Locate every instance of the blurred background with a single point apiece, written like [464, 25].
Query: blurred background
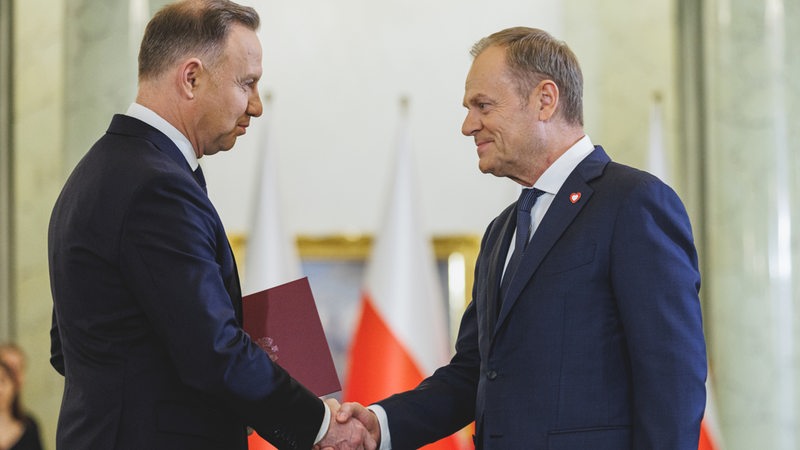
[704, 93]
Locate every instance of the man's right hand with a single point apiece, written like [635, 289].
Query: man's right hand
[363, 415]
[346, 434]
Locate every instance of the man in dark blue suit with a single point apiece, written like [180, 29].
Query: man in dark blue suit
[147, 304]
[584, 331]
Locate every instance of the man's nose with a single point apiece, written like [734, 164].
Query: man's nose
[471, 124]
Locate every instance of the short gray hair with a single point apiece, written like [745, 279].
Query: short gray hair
[534, 55]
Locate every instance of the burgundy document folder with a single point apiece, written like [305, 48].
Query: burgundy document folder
[284, 322]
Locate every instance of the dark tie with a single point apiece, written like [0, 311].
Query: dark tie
[526, 201]
[201, 180]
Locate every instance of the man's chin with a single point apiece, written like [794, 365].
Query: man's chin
[222, 148]
[487, 168]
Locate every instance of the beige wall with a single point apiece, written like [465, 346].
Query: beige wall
[753, 214]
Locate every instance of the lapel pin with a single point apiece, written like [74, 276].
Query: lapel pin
[574, 197]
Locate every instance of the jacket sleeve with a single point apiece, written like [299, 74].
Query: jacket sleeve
[445, 402]
[171, 251]
[442, 403]
[56, 356]
[655, 278]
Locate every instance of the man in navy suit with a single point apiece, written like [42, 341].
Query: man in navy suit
[147, 305]
[584, 331]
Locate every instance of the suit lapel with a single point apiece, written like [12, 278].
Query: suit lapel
[559, 216]
[129, 126]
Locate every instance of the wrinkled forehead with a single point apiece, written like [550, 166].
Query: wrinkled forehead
[489, 63]
[488, 73]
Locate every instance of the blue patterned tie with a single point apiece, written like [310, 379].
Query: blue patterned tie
[201, 180]
[525, 203]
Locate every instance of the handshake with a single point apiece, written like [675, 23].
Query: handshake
[352, 426]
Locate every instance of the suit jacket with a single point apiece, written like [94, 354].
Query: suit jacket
[598, 343]
[147, 312]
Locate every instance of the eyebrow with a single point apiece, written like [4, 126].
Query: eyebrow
[477, 98]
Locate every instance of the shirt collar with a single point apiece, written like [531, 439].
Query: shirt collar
[555, 175]
[150, 117]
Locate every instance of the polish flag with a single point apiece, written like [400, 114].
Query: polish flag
[656, 154]
[271, 257]
[710, 437]
[401, 336]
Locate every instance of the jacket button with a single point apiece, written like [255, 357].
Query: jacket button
[491, 374]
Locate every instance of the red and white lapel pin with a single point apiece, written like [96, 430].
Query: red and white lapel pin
[574, 197]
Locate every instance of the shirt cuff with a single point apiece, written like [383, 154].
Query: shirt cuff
[383, 421]
[323, 428]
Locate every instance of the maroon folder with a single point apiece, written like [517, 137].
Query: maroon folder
[284, 322]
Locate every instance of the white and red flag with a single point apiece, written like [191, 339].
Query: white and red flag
[271, 257]
[710, 437]
[401, 336]
[657, 162]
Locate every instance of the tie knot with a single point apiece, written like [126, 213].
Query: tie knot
[527, 198]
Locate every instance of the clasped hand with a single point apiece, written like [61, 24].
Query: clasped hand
[352, 427]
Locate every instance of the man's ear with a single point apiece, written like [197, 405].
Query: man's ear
[546, 93]
[188, 77]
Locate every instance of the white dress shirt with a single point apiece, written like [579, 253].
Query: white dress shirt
[150, 117]
[551, 181]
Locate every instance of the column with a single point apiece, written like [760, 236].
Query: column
[73, 67]
[101, 46]
[752, 167]
[6, 289]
